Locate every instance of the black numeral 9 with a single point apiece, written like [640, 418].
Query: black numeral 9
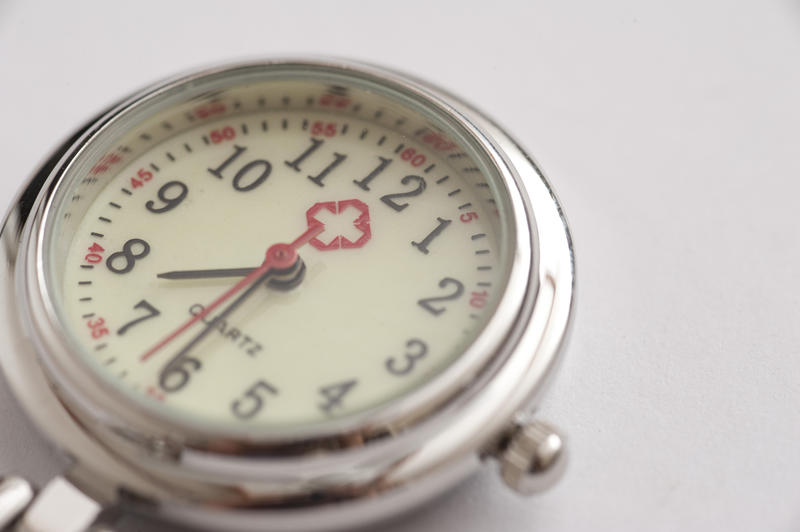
[171, 194]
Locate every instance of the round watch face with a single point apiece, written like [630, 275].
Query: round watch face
[276, 246]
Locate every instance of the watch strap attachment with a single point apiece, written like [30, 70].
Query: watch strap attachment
[16, 494]
[58, 507]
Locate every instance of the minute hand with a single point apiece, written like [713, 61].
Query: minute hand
[206, 274]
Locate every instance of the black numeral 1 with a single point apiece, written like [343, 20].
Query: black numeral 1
[423, 246]
[364, 183]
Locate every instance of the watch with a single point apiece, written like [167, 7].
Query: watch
[282, 295]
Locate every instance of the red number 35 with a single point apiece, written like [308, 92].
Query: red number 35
[97, 328]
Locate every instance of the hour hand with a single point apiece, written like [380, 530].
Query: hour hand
[205, 274]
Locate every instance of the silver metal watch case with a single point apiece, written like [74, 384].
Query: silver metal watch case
[346, 475]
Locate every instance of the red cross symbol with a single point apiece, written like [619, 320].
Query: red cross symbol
[337, 207]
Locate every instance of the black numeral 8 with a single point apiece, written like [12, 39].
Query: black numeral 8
[128, 255]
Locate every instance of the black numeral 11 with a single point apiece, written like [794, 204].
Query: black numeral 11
[318, 179]
[423, 246]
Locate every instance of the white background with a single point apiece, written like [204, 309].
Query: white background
[670, 130]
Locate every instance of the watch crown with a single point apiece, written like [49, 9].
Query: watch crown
[534, 459]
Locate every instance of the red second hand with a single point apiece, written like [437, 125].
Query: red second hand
[277, 254]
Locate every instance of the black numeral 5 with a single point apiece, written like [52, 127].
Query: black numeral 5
[253, 400]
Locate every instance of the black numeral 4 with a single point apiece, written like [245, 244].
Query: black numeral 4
[334, 393]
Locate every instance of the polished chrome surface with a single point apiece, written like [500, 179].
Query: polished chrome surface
[382, 465]
[534, 459]
[16, 494]
[59, 507]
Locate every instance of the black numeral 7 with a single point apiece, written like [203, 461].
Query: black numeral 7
[152, 312]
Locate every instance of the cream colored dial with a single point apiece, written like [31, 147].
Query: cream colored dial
[399, 262]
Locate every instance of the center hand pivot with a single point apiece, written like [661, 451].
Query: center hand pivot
[282, 262]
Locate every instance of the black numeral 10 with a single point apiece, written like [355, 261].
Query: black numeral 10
[249, 176]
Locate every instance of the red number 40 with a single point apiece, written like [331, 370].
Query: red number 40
[94, 256]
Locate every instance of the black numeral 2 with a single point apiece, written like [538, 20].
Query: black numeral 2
[457, 290]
